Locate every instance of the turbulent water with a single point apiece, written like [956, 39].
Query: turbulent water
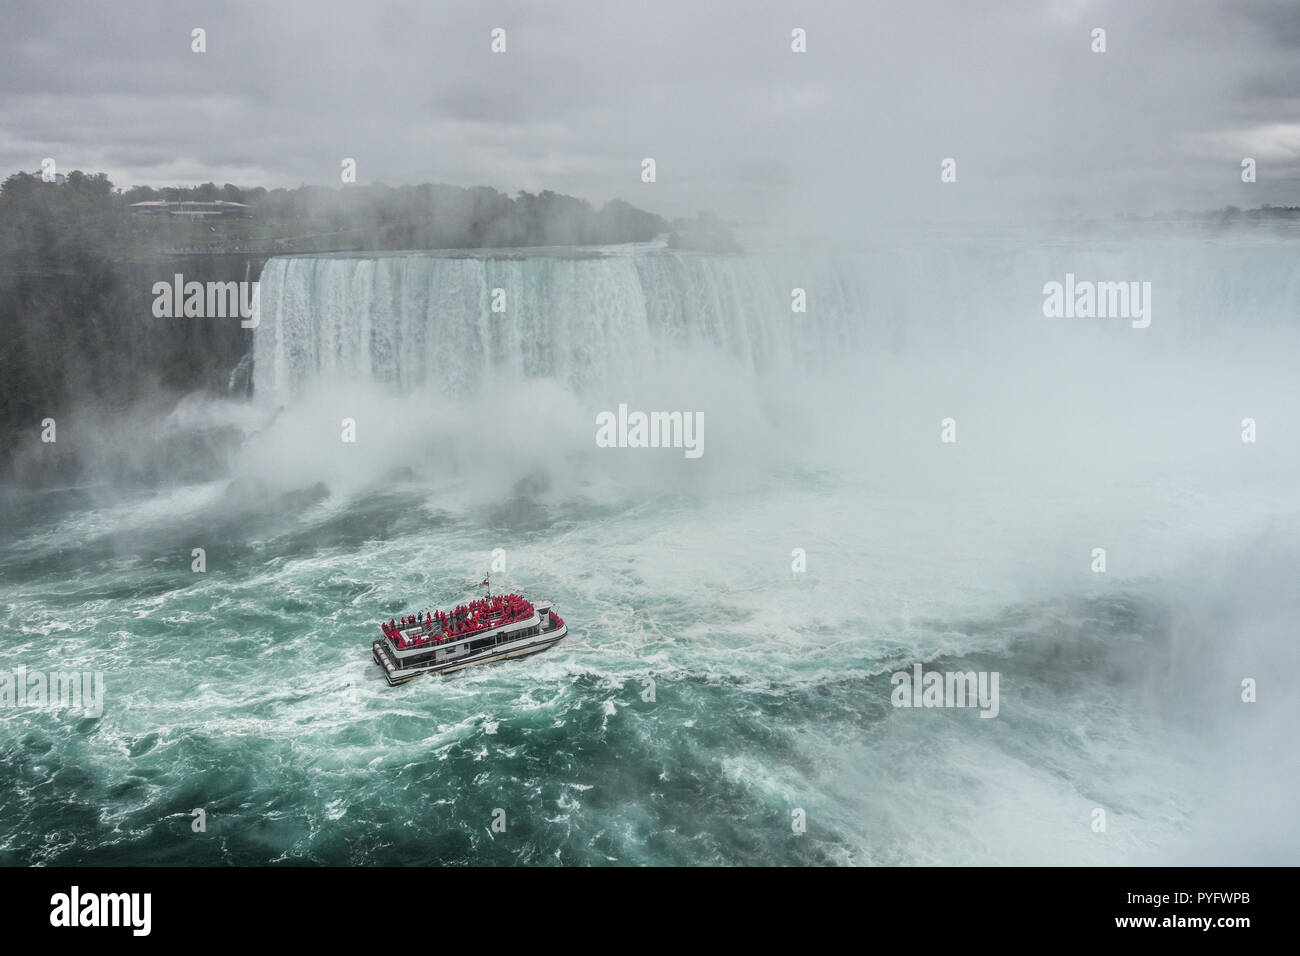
[709, 696]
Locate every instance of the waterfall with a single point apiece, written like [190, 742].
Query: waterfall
[426, 321]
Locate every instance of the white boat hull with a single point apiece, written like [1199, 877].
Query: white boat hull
[396, 674]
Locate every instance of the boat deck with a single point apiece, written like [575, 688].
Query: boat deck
[396, 672]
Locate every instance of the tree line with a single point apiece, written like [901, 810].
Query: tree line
[40, 220]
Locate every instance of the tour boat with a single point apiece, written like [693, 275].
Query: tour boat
[482, 631]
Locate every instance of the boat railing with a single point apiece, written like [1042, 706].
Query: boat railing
[418, 636]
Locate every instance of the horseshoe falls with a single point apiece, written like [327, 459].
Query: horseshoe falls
[907, 467]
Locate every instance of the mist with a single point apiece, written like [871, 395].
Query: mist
[849, 133]
[894, 274]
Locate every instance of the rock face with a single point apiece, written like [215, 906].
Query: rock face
[86, 345]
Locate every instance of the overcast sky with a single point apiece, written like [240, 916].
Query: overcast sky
[856, 127]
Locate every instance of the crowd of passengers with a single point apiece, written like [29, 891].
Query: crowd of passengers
[439, 627]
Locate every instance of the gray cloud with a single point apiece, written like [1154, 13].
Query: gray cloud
[854, 128]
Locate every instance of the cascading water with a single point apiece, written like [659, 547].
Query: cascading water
[424, 320]
[427, 320]
[826, 539]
